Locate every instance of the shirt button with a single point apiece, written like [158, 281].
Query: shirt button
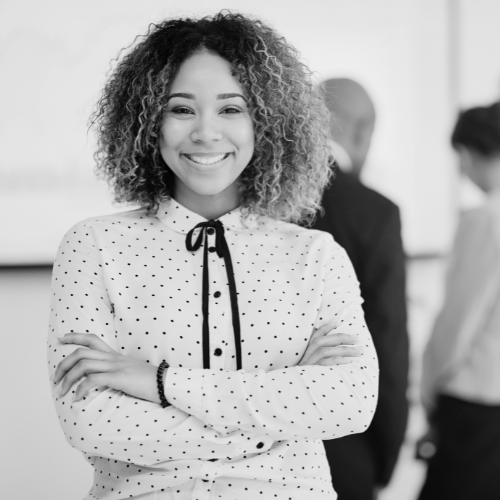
[218, 351]
[210, 230]
[260, 445]
[217, 295]
[211, 249]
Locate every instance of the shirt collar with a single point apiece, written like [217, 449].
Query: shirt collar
[181, 220]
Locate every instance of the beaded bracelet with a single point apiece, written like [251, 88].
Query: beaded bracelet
[159, 381]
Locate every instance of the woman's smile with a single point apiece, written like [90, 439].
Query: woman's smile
[206, 159]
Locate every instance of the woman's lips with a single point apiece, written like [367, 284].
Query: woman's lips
[206, 159]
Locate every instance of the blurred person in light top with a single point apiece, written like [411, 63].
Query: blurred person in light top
[214, 128]
[461, 365]
[368, 226]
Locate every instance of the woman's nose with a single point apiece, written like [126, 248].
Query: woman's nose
[206, 129]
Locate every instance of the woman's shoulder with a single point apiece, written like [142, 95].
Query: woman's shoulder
[133, 216]
[309, 236]
[98, 224]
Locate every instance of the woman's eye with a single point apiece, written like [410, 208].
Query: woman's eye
[231, 110]
[181, 111]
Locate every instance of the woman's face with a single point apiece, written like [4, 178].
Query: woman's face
[207, 136]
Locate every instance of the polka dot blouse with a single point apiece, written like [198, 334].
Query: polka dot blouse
[230, 434]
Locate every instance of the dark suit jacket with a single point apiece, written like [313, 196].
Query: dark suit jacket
[368, 226]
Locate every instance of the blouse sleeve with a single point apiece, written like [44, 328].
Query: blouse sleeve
[107, 422]
[312, 402]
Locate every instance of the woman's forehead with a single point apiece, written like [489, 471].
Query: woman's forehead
[206, 71]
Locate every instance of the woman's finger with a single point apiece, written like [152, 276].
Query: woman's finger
[83, 368]
[316, 335]
[77, 355]
[323, 338]
[88, 383]
[321, 331]
[335, 361]
[333, 352]
[89, 340]
[319, 334]
[337, 339]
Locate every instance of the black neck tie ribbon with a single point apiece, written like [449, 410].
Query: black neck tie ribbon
[222, 250]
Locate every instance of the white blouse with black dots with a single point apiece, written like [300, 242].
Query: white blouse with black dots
[246, 434]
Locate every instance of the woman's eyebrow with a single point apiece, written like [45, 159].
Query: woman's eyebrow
[229, 96]
[180, 94]
[219, 96]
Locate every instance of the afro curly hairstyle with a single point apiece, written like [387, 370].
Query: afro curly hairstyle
[291, 163]
[479, 129]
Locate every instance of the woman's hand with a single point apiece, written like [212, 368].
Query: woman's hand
[334, 349]
[103, 367]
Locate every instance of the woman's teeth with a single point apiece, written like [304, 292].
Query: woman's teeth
[207, 161]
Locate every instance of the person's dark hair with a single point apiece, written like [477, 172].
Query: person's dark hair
[290, 165]
[479, 129]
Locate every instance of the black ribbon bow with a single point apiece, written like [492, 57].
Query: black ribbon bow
[222, 251]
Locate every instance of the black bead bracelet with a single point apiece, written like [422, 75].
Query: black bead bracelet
[159, 381]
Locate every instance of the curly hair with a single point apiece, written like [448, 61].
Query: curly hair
[479, 129]
[290, 165]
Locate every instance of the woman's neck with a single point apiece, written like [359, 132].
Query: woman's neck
[208, 206]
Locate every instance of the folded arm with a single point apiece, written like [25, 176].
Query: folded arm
[109, 422]
[314, 402]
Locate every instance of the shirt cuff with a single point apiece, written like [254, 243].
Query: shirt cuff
[184, 389]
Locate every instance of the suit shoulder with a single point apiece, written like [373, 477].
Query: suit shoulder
[348, 193]
[374, 198]
[385, 203]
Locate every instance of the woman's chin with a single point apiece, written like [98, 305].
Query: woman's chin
[213, 190]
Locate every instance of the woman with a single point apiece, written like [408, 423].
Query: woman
[461, 376]
[213, 127]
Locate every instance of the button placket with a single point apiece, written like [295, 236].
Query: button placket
[218, 307]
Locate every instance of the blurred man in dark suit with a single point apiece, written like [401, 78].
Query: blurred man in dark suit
[368, 226]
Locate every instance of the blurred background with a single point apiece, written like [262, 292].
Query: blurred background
[420, 60]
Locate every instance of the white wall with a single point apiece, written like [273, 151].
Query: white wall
[479, 52]
[478, 68]
[54, 55]
[36, 462]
